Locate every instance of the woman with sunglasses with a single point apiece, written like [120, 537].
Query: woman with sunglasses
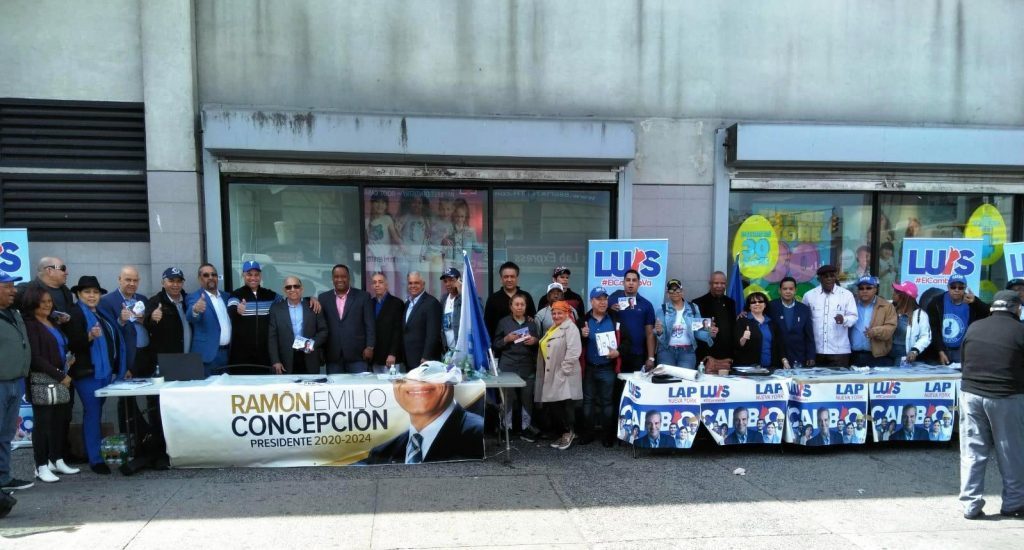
[913, 330]
[759, 341]
[674, 329]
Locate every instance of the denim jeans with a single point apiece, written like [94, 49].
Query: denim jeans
[678, 357]
[11, 392]
[599, 397]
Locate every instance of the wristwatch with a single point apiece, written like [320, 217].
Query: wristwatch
[650, 359]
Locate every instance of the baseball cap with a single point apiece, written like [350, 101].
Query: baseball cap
[251, 265]
[559, 270]
[672, 283]
[452, 273]
[597, 292]
[8, 278]
[173, 273]
[906, 287]
[956, 278]
[555, 286]
[1004, 300]
[1014, 282]
[827, 268]
[867, 280]
[435, 372]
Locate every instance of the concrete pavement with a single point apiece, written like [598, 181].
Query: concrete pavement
[586, 497]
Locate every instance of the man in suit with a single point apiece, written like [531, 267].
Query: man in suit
[387, 310]
[794, 321]
[351, 326]
[166, 320]
[290, 319]
[741, 434]
[826, 435]
[208, 314]
[421, 324]
[128, 307]
[653, 438]
[439, 428]
[909, 430]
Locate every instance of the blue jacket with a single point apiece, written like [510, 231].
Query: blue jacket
[799, 340]
[111, 305]
[691, 313]
[205, 327]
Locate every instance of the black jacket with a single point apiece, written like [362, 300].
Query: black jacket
[78, 343]
[249, 331]
[723, 311]
[993, 356]
[499, 306]
[389, 329]
[750, 354]
[167, 336]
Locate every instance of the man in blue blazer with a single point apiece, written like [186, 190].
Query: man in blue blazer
[121, 305]
[207, 311]
[653, 438]
[421, 324]
[826, 435]
[741, 434]
[909, 430]
[794, 322]
[351, 335]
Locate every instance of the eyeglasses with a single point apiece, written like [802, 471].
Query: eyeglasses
[293, 287]
[60, 267]
[208, 274]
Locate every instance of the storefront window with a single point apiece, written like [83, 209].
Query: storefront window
[903, 215]
[300, 230]
[775, 235]
[425, 230]
[539, 230]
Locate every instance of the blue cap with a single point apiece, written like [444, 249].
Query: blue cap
[1014, 282]
[451, 273]
[251, 265]
[8, 278]
[868, 280]
[597, 292]
[173, 273]
[956, 278]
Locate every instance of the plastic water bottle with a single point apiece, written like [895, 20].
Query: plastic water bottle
[700, 368]
[393, 371]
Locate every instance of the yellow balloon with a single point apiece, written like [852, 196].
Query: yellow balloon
[757, 246]
[987, 291]
[987, 223]
[752, 289]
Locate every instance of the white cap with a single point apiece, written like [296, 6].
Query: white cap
[435, 372]
[555, 286]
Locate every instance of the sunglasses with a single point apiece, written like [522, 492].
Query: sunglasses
[208, 274]
[752, 302]
[60, 267]
[865, 287]
[293, 287]
[957, 287]
[676, 289]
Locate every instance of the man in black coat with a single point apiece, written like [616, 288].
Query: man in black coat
[388, 310]
[351, 327]
[950, 314]
[421, 324]
[169, 331]
[281, 335]
[439, 428]
[52, 276]
[722, 310]
[249, 307]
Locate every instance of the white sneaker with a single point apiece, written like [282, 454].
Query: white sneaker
[44, 474]
[62, 468]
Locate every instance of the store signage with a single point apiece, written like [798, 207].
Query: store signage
[1013, 257]
[14, 258]
[757, 245]
[928, 263]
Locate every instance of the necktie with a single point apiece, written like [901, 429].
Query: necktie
[416, 456]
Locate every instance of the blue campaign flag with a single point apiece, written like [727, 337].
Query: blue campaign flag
[735, 288]
[473, 342]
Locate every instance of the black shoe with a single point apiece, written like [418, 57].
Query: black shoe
[977, 514]
[7, 502]
[100, 468]
[16, 485]
[1019, 513]
[585, 439]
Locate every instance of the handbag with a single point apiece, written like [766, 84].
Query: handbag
[714, 366]
[47, 391]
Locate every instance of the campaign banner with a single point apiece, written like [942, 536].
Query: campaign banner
[14, 258]
[917, 410]
[659, 415]
[740, 411]
[255, 423]
[827, 413]
[1013, 258]
[608, 260]
[928, 263]
[23, 429]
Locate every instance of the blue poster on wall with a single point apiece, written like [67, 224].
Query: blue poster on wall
[608, 261]
[14, 258]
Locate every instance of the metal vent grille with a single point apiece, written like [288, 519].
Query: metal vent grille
[72, 134]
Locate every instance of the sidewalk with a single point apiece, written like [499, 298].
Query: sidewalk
[586, 497]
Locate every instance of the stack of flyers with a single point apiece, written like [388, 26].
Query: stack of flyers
[605, 342]
[523, 334]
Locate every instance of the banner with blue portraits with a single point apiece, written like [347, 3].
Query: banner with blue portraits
[827, 413]
[655, 416]
[913, 410]
[740, 411]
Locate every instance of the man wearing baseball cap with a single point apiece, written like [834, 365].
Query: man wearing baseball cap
[871, 336]
[1017, 285]
[833, 313]
[169, 331]
[451, 308]
[602, 364]
[992, 407]
[950, 315]
[249, 307]
[561, 276]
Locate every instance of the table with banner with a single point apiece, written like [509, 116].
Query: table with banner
[308, 420]
[811, 407]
